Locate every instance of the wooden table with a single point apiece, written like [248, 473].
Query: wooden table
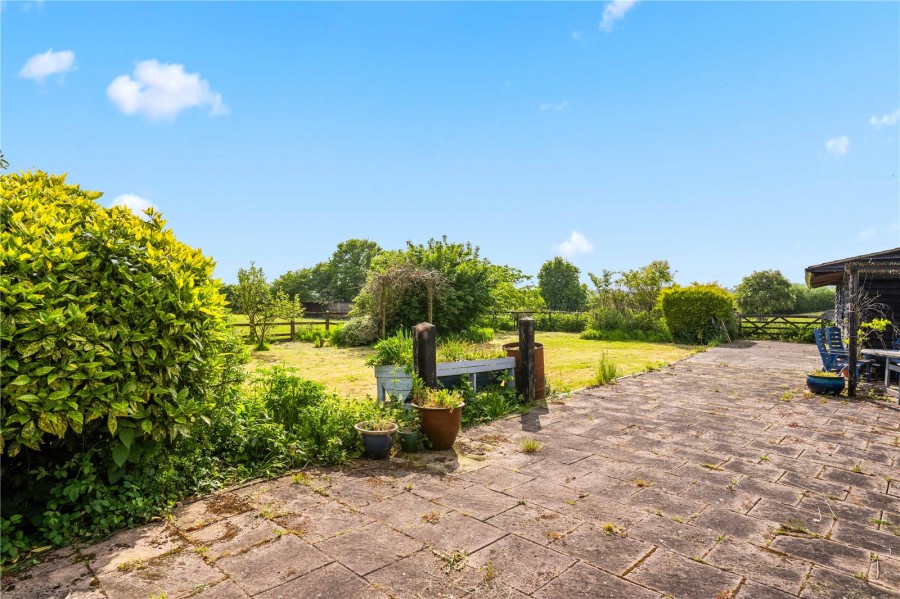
[888, 355]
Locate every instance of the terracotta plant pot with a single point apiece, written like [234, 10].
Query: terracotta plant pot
[440, 425]
[376, 444]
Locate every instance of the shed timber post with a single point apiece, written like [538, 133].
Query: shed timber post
[853, 325]
[425, 353]
[525, 383]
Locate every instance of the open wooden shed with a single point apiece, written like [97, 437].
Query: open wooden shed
[868, 280]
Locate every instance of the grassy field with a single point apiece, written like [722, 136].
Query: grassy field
[569, 362]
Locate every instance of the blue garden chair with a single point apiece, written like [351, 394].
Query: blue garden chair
[834, 360]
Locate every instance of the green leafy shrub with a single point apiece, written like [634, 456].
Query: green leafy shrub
[461, 293]
[325, 429]
[311, 334]
[356, 331]
[285, 395]
[620, 335]
[808, 300]
[692, 313]
[396, 349]
[560, 286]
[477, 334]
[631, 325]
[488, 403]
[110, 325]
[560, 322]
[765, 292]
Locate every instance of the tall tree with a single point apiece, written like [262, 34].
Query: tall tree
[560, 285]
[347, 268]
[254, 297]
[765, 292]
[339, 279]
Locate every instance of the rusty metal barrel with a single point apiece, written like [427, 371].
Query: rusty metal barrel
[512, 351]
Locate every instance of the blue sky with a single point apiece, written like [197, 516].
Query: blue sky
[725, 137]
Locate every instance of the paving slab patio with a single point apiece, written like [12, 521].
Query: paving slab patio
[717, 476]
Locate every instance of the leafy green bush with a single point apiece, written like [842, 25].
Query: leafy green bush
[693, 313]
[476, 334]
[560, 322]
[312, 334]
[359, 330]
[490, 404]
[462, 292]
[765, 292]
[624, 325]
[560, 287]
[808, 300]
[110, 328]
[58, 497]
[396, 349]
[620, 335]
[325, 429]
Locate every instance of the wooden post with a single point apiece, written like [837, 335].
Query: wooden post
[425, 353]
[853, 324]
[327, 319]
[739, 317]
[292, 329]
[525, 377]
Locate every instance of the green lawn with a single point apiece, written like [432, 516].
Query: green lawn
[569, 362]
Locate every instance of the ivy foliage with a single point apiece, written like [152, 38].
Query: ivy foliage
[693, 314]
[111, 327]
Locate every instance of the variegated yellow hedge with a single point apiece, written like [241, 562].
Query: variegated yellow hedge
[110, 325]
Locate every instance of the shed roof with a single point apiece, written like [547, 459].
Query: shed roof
[832, 273]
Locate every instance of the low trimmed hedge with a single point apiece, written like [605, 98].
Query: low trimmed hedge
[689, 312]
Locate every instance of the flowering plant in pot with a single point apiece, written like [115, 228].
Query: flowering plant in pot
[440, 411]
[378, 437]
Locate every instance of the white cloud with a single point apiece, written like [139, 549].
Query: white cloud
[135, 203]
[41, 66]
[837, 146]
[614, 11]
[552, 106]
[161, 91]
[577, 35]
[577, 243]
[886, 120]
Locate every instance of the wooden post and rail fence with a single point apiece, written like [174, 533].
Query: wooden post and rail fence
[309, 319]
